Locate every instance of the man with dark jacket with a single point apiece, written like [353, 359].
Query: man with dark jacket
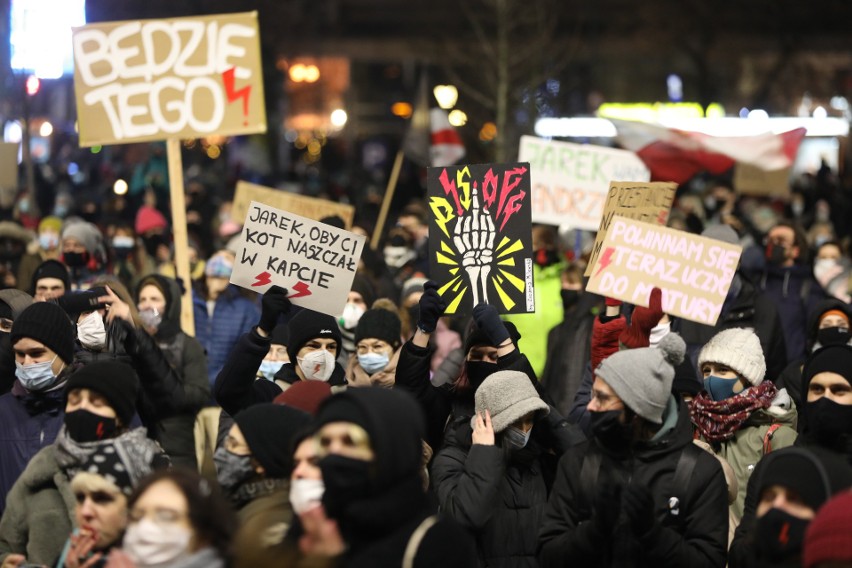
[31, 414]
[641, 494]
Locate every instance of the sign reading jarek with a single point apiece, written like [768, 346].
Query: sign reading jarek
[179, 78]
[314, 261]
[480, 236]
[693, 272]
[570, 182]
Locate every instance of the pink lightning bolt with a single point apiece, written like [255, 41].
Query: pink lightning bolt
[263, 279]
[606, 259]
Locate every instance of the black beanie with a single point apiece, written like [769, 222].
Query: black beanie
[307, 325]
[361, 285]
[51, 269]
[381, 324]
[813, 473]
[270, 431]
[115, 381]
[477, 337]
[48, 323]
[828, 359]
[280, 334]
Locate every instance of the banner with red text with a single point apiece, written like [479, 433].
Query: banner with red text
[176, 78]
[693, 272]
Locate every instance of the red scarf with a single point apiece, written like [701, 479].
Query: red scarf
[718, 421]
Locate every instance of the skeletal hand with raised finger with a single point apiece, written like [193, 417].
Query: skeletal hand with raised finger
[474, 239]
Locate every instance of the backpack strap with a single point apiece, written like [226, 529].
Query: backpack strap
[682, 476]
[415, 540]
[589, 475]
[767, 438]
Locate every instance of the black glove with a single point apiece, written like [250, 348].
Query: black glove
[432, 307]
[488, 320]
[638, 505]
[607, 505]
[274, 303]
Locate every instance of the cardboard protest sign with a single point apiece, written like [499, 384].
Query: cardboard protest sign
[480, 236]
[751, 180]
[693, 272]
[177, 78]
[570, 182]
[314, 261]
[309, 207]
[650, 202]
[9, 165]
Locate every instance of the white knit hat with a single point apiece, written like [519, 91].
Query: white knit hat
[739, 349]
[508, 396]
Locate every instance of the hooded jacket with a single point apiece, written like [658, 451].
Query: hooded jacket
[694, 534]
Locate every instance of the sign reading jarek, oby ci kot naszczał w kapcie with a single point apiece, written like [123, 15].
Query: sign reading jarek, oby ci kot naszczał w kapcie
[314, 261]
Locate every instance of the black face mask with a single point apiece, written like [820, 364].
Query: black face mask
[478, 371]
[608, 429]
[347, 481]
[833, 336]
[776, 255]
[85, 426]
[546, 257]
[779, 536]
[122, 253]
[828, 420]
[569, 298]
[75, 259]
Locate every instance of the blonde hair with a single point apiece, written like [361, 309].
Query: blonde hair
[91, 482]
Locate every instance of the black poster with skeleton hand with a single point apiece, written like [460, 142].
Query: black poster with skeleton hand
[480, 234]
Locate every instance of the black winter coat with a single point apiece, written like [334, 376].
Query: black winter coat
[695, 534]
[499, 495]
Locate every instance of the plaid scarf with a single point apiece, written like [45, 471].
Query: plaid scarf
[718, 421]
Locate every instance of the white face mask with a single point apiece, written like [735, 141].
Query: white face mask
[351, 314]
[305, 494]
[317, 365]
[825, 269]
[91, 331]
[658, 332]
[148, 544]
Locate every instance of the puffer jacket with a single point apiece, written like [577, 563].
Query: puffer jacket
[29, 422]
[233, 316]
[499, 495]
[693, 533]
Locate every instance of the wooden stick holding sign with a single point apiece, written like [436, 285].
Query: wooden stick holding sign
[179, 234]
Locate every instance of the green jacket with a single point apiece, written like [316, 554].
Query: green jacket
[548, 314]
[39, 513]
[744, 450]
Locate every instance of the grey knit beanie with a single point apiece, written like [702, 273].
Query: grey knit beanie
[642, 378]
[508, 396]
[739, 349]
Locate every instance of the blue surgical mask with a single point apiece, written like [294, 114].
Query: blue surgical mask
[516, 437]
[373, 362]
[269, 369]
[719, 388]
[48, 241]
[36, 376]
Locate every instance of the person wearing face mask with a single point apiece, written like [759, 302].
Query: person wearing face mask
[744, 306]
[176, 520]
[741, 415]
[359, 300]
[492, 475]
[789, 283]
[46, 247]
[83, 253]
[370, 455]
[791, 486]
[99, 407]
[377, 343]
[42, 339]
[640, 493]
[12, 305]
[130, 262]
[490, 346]
[831, 269]
[828, 324]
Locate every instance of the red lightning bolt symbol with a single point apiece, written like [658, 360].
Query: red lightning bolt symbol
[606, 259]
[263, 279]
[302, 290]
[228, 81]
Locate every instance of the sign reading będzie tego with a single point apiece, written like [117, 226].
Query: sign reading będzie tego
[177, 78]
[314, 261]
[693, 272]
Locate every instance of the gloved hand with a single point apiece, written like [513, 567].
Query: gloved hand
[274, 303]
[639, 507]
[643, 321]
[607, 504]
[432, 307]
[488, 320]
